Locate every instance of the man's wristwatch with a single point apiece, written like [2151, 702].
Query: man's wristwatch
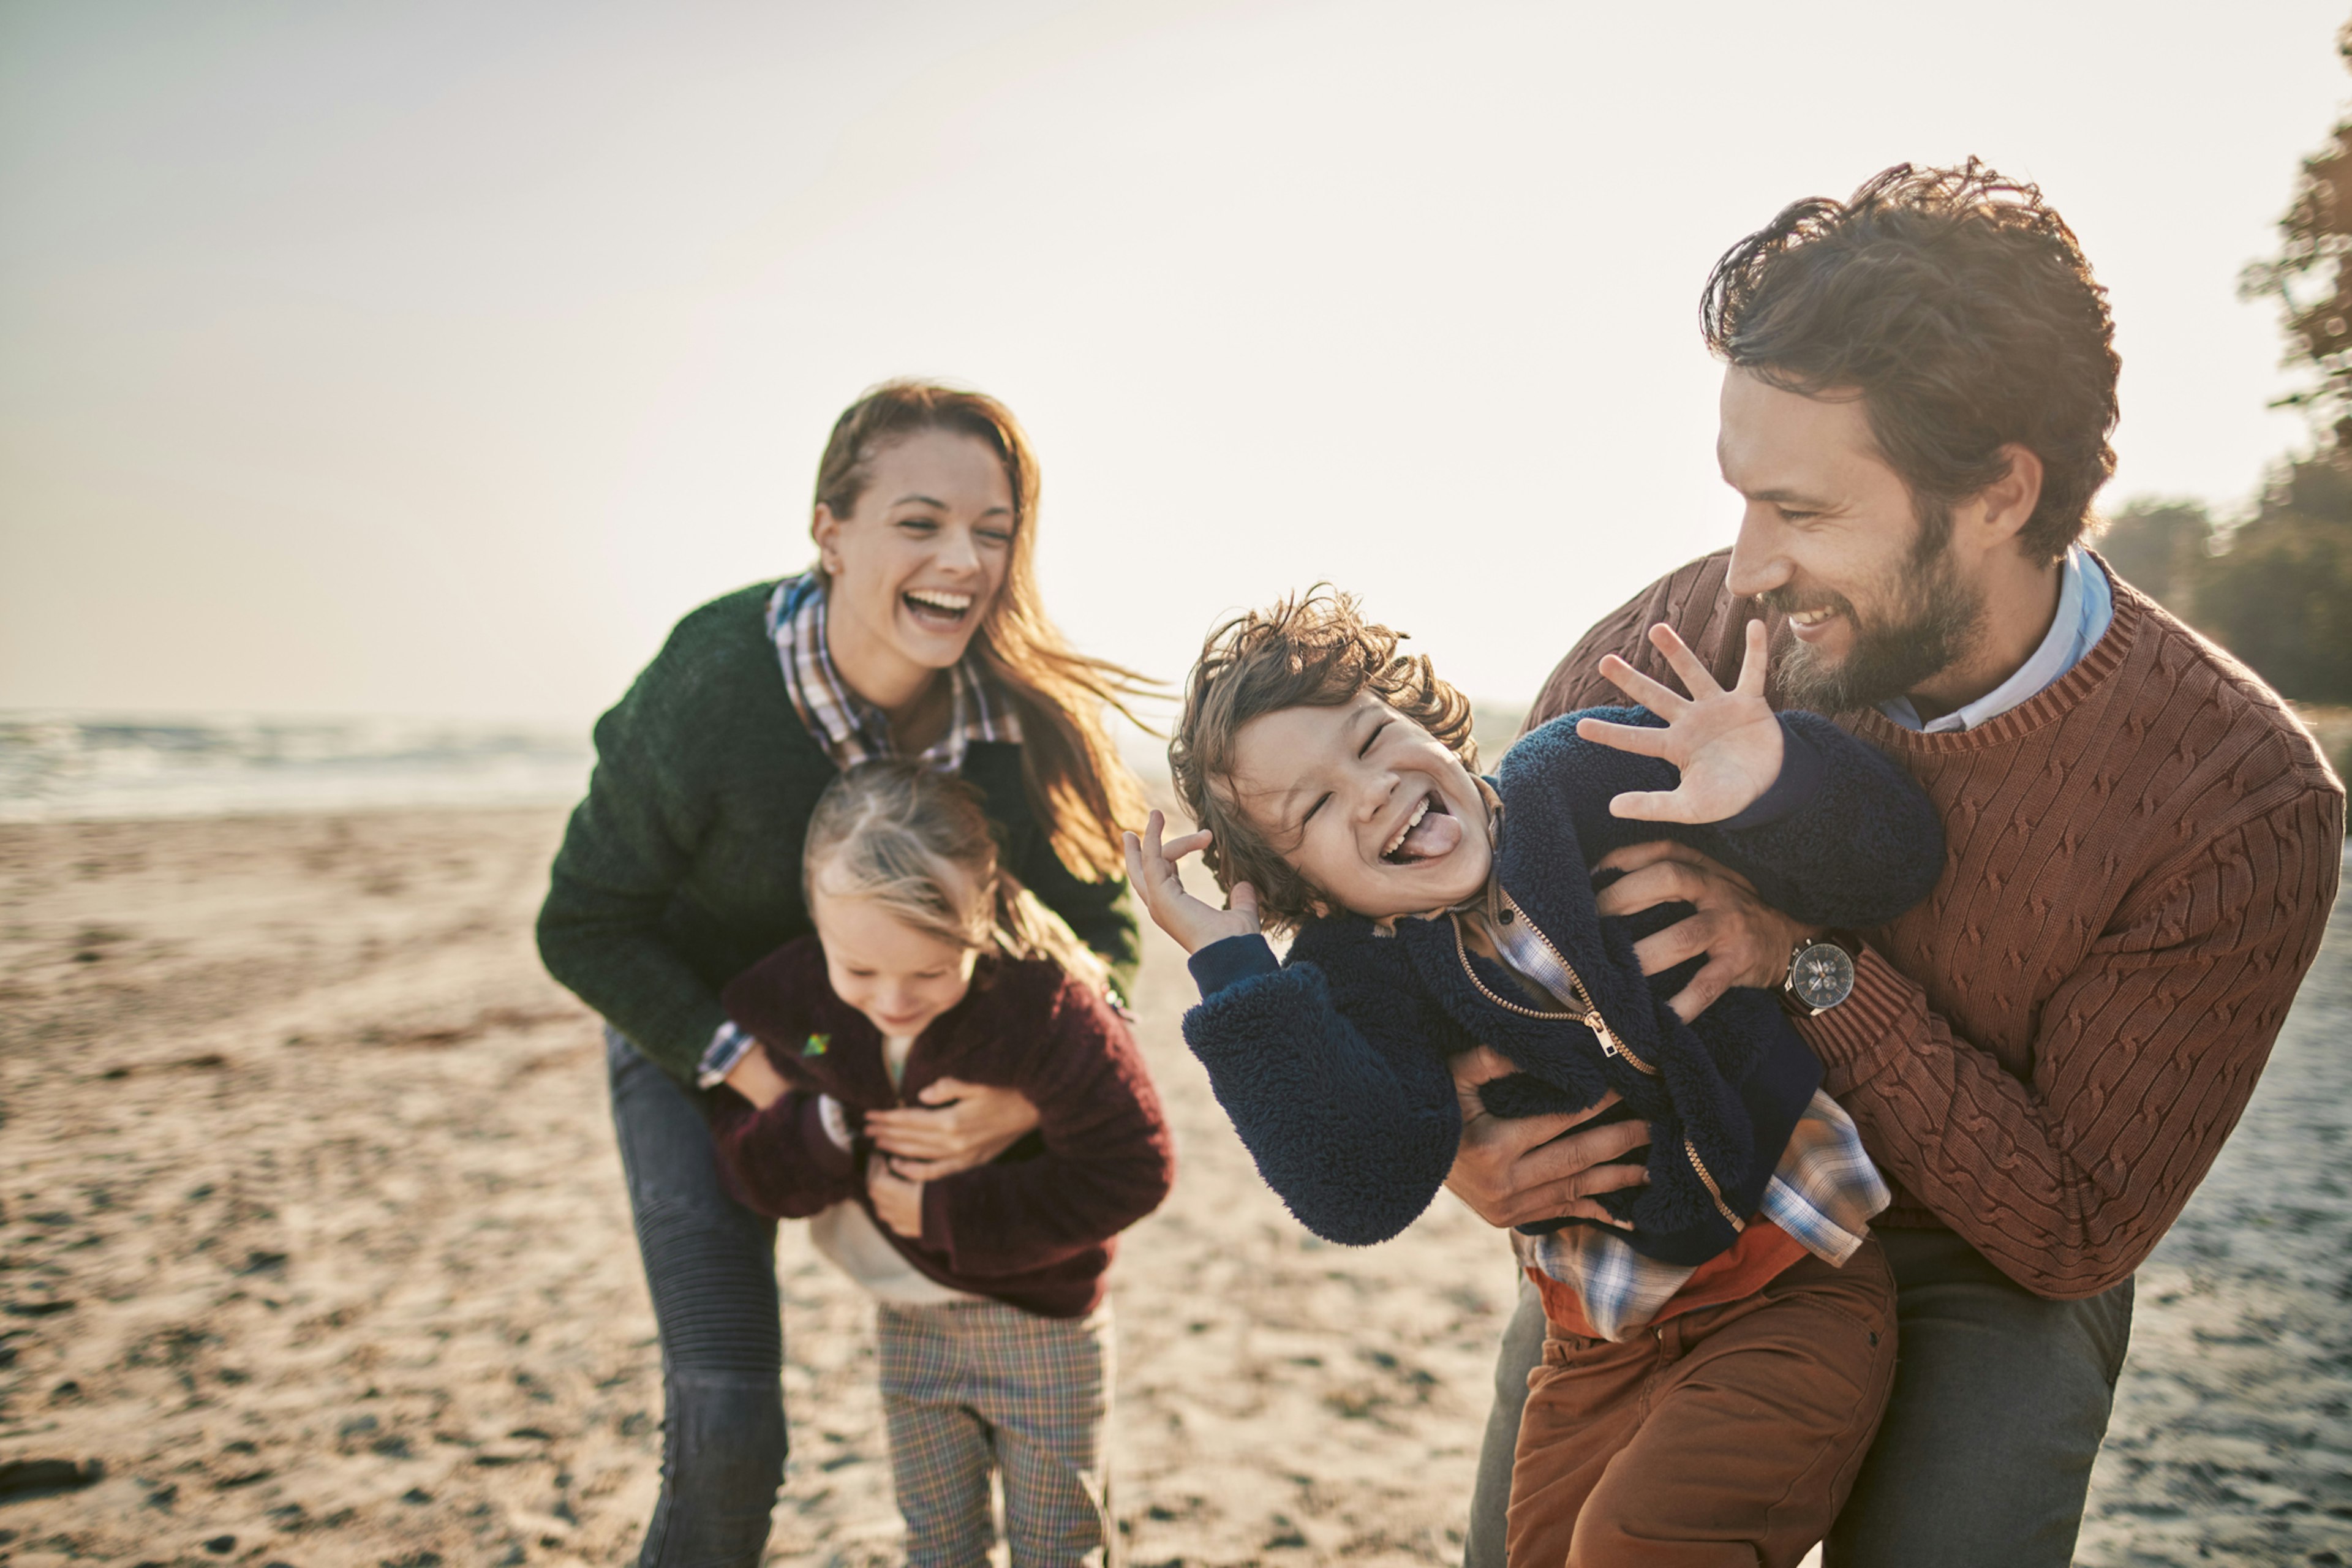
[1821, 973]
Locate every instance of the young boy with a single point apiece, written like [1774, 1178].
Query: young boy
[1722, 1339]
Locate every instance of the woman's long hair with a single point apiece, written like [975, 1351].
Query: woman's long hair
[1078, 784]
[917, 843]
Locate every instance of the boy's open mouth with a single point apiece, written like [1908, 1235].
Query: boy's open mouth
[1428, 833]
[937, 608]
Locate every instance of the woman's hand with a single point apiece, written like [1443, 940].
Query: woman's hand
[756, 1080]
[1727, 743]
[897, 1198]
[1152, 872]
[957, 1125]
[1512, 1172]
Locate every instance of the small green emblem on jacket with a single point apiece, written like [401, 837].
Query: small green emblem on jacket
[816, 1045]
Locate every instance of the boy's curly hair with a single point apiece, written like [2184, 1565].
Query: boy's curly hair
[1310, 650]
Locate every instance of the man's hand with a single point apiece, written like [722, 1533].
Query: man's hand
[1747, 941]
[898, 1199]
[1533, 1167]
[1727, 744]
[957, 1125]
[1152, 872]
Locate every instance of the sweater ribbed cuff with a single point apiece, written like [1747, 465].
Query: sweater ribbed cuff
[1230, 961]
[1803, 772]
[1859, 1034]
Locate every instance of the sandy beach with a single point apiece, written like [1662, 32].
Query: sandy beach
[317, 1254]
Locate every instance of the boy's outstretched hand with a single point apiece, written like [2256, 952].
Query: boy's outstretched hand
[1727, 743]
[1151, 871]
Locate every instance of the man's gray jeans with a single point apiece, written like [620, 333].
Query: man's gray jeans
[2001, 1401]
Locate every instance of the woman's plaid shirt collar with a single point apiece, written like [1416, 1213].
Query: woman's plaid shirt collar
[852, 729]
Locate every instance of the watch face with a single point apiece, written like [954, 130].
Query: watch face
[1822, 976]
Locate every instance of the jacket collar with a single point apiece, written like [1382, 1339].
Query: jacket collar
[825, 1044]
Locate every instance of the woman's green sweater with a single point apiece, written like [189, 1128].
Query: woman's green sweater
[683, 866]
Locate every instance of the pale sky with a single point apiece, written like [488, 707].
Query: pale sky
[432, 359]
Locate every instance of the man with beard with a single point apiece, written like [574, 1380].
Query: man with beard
[2143, 843]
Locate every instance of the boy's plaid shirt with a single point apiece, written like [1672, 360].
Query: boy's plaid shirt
[853, 729]
[1823, 1193]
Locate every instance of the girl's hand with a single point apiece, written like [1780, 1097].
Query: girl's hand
[956, 1126]
[756, 1080]
[1152, 872]
[898, 1199]
[1727, 743]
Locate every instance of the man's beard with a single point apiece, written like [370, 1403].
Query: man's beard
[1934, 618]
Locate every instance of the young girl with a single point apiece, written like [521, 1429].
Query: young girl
[931, 962]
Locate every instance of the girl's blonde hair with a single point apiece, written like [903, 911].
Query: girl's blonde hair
[917, 844]
[1081, 790]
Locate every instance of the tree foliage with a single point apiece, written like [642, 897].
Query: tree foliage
[2160, 547]
[2311, 276]
[2275, 590]
[2280, 595]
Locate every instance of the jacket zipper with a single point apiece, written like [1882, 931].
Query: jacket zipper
[1591, 1019]
[1611, 1045]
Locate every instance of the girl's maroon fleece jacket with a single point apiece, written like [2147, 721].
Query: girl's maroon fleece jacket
[1034, 1228]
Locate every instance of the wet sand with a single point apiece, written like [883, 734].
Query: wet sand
[315, 1245]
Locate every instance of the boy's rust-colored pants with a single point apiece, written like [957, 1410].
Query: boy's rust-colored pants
[1729, 1434]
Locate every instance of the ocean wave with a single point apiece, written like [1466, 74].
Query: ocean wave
[75, 767]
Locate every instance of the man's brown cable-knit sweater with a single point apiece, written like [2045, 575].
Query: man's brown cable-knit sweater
[2048, 1053]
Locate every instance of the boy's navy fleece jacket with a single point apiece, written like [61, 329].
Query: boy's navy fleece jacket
[1035, 1227]
[1332, 1064]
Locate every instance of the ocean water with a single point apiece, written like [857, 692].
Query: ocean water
[77, 766]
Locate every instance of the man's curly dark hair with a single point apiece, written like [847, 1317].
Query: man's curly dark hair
[1958, 304]
[1311, 650]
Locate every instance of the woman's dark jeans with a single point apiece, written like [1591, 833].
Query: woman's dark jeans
[710, 1264]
